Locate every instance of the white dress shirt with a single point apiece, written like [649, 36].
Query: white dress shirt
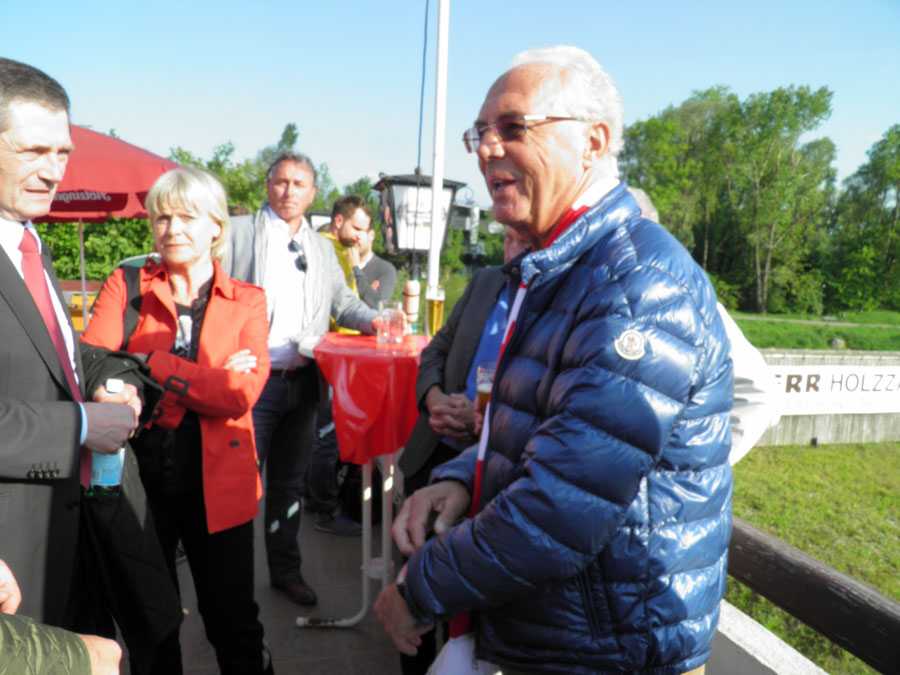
[284, 286]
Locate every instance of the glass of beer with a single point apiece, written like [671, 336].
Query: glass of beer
[435, 311]
[484, 383]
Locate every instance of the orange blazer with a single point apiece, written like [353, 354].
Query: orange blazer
[235, 319]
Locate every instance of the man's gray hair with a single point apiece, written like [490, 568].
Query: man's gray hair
[589, 91]
[21, 82]
[296, 158]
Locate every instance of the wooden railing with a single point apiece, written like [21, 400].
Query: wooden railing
[847, 612]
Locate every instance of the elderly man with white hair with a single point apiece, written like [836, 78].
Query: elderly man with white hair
[599, 496]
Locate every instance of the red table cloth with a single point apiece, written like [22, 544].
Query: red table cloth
[374, 401]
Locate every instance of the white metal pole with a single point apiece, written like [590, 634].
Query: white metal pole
[440, 122]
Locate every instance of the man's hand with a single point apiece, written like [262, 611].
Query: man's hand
[10, 595]
[393, 612]
[129, 396]
[109, 425]
[478, 422]
[353, 255]
[105, 654]
[449, 499]
[452, 415]
[242, 361]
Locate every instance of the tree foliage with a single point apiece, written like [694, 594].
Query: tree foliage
[735, 183]
[105, 245]
[866, 253]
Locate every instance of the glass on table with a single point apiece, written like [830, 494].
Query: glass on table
[391, 326]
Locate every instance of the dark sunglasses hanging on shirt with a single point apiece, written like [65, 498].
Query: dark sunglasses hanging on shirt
[300, 260]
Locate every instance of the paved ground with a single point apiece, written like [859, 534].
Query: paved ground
[331, 566]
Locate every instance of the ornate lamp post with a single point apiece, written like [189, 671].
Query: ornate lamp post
[406, 208]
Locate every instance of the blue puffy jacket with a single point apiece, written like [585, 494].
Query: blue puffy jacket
[602, 541]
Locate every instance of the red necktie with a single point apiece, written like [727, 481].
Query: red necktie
[36, 281]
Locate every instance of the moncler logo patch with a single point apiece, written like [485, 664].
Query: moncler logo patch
[631, 345]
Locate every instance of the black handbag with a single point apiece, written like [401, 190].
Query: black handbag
[131, 577]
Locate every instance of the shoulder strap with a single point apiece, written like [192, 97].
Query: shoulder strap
[132, 302]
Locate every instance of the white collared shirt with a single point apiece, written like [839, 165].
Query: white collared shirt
[595, 191]
[367, 260]
[284, 284]
[11, 233]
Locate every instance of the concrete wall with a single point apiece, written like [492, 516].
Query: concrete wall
[744, 647]
[833, 427]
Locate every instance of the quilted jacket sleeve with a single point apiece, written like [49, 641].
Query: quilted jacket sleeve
[592, 422]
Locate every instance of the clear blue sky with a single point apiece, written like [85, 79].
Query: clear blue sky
[197, 74]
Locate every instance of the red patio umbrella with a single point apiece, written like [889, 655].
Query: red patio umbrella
[105, 178]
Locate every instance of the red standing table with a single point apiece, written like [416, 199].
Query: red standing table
[375, 408]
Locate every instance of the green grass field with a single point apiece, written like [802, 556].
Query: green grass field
[781, 335]
[837, 503]
[877, 316]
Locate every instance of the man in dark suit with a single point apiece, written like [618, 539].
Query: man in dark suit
[44, 423]
[471, 337]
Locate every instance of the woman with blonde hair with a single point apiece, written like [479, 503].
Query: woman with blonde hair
[203, 336]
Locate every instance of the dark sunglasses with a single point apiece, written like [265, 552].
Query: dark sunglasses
[300, 260]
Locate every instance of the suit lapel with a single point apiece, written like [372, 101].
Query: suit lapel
[17, 297]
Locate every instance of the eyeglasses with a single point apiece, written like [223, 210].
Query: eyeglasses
[300, 260]
[512, 128]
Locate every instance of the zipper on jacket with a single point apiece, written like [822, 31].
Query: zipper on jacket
[587, 599]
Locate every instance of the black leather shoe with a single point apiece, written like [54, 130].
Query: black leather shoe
[298, 591]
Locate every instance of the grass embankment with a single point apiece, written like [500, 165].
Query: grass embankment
[880, 330]
[782, 335]
[837, 503]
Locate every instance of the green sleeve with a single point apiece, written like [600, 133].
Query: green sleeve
[30, 647]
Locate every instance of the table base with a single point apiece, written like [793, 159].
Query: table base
[372, 568]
